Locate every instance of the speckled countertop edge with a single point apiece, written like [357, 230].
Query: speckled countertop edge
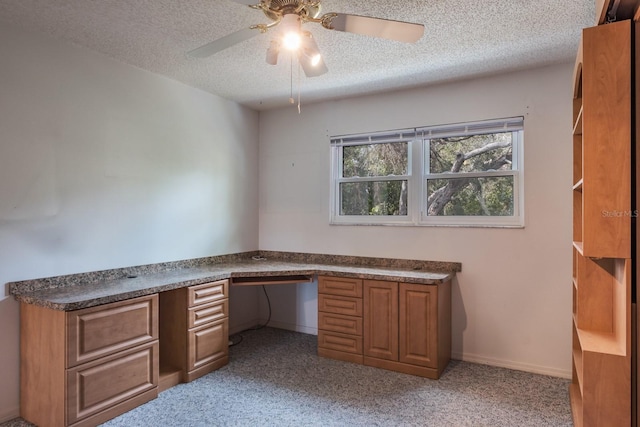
[83, 290]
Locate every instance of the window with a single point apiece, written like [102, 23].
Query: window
[465, 174]
[372, 177]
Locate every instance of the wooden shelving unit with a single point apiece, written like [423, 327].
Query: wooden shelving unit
[602, 210]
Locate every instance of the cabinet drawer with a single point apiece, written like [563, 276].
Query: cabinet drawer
[208, 343]
[340, 305]
[99, 385]
[340, 342]
[208, 313]
[340, 286]
[208, 292]
[340, 323]
[103, 330]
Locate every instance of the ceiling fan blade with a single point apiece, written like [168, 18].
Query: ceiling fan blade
[223, 43]
[377, 27]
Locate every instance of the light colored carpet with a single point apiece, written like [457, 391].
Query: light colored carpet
[275, 378]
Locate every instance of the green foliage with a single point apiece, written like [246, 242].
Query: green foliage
[477, 196]
[455, 196]
[374, 197]
[445, 151]
[375, 160]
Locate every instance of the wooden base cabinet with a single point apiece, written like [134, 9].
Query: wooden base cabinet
[194, 331]
[407, 327]
[340, 318]
[87, 366]
[397, 326]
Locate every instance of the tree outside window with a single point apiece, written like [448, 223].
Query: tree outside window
[462, 174]
[481, 189]
[375, 179]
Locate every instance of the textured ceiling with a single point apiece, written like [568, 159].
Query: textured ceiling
[463, 38]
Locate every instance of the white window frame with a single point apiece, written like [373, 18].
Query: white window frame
[337, 179]
[418, 175]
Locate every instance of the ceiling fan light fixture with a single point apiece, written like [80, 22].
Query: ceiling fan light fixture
[290, 30]
[315, 59]
[310, 57]
[272, 53]
[291, 41]
[310, 52]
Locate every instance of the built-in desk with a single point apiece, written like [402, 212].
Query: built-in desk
[141, 329]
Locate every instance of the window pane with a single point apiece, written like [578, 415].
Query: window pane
[471, 153]
[373, 198]
[492, 196]
[375, 160]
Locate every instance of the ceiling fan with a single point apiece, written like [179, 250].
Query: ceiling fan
[290, 15]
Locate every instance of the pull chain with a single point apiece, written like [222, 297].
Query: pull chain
[299, 86]
[291, 101]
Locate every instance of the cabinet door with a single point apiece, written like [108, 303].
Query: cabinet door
[208, 344]
[99, 331]
[381, 319]
[419, 325]
[607, 121]
[105, 383]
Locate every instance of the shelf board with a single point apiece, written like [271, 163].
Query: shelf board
[578, 186]
[577, 127]
[270, 280]
[600, 342]
[578, 246]
[168, 377]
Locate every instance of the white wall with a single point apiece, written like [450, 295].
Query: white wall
[103, 165]
[512, 301]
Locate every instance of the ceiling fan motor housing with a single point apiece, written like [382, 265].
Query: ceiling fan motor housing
[276, 9]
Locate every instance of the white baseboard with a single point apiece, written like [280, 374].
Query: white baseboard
[243, 327]
[273, 324]
[8, 415]
[294, 327]
[467, 357]
[509, 364]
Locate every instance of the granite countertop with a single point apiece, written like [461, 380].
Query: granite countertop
[76, 291]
